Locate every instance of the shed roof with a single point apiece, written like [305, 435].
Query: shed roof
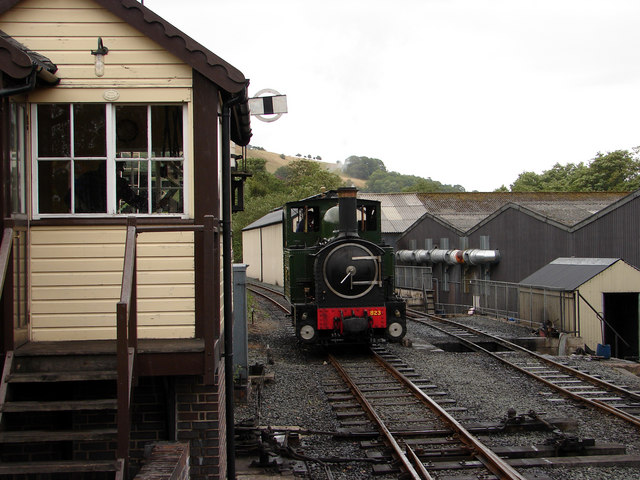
[399, 210]
[568, 273]
[465, 210]
[271, 218]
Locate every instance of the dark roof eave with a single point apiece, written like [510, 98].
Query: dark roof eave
[222, 73]
[175, 41]
[241, 120]
[18, 61]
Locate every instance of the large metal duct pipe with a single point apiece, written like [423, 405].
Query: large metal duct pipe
[422, 256]
[481, 257]
[472, 256]
[406, 256]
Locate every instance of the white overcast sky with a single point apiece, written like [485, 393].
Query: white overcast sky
[469, 92]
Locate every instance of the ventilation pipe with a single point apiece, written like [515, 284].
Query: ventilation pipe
[475, 256]
[408, 256]
[451, 257]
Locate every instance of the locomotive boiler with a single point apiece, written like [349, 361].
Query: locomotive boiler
[339, 275]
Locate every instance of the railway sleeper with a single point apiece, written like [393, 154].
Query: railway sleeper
[542, 462]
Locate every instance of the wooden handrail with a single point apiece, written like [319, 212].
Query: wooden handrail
[127, 323]
[5, 253]
[7, 302]
[127, 340]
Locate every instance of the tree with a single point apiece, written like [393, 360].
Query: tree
[265, 191]
[615, 171]
[362, 167]
[390, 182]
[426, 185]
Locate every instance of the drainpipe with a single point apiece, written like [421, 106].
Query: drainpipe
[227, 272]
[29, 85]
[30, 82]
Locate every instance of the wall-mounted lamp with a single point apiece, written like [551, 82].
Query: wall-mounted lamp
[99, 54]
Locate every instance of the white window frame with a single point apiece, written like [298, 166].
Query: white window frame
[110, 122]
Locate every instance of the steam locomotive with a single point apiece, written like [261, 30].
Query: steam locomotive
[338, 274]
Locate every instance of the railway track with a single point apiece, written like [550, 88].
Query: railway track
[274, 296]
[566, 380]
[420, 433]
[423, 444]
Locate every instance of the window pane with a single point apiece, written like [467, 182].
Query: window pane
[54, 186]
[131, 187]
[167, 186]
[131, 131]
[89, 130]
[17, 159]
[90, 186]
[54, 131]
[166, 131]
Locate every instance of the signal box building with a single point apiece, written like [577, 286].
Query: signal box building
[115, 127]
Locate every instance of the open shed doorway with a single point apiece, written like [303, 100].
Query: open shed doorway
[621, 311]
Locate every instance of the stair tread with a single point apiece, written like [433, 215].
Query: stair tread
[25, 436]
[60, 466]
[29, 377]
[62, 405]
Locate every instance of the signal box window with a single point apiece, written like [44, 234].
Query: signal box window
[89, 164]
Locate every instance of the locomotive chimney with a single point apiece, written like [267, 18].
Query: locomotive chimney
[347, 197]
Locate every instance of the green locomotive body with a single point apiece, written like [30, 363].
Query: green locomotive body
[338, 274]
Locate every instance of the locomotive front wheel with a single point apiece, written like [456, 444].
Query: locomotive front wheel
[395, 331]
[307, 333]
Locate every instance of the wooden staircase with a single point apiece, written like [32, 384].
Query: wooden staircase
[429, 302]
[58, 415]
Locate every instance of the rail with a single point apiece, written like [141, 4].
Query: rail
[485, 455]
[411, 464]
[598, 404]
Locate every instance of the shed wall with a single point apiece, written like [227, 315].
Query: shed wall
[614, 235]
[526, 244]
[262, 251]
[618, 278]
[76, 275]
[272, 248]
[252, 253]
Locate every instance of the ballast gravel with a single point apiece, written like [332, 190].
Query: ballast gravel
[296, 395]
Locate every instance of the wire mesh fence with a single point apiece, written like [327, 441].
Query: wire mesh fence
[534, 305]
[530, 305]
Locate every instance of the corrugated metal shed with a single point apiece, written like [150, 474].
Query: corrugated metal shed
[399, 210]
[568, 273]
[465, 210]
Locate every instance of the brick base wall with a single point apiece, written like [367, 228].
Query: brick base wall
[164, 409]
[166, 461]
[200, 420]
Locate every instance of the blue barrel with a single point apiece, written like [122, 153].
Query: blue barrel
[603, 351]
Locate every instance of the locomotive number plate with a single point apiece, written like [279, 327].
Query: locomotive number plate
[327, 317]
